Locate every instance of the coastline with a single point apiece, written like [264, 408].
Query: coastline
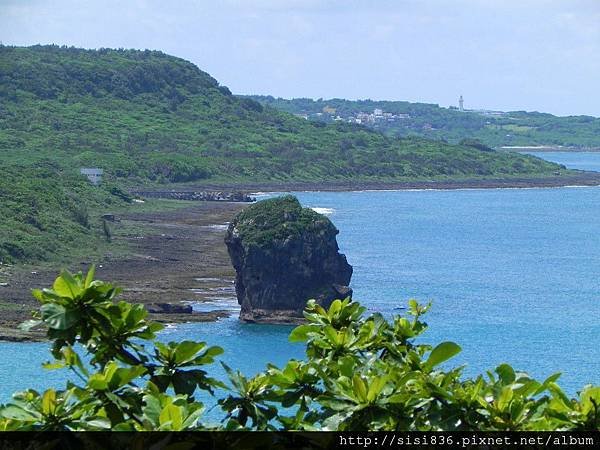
[580, 179]
[178, 257]
[549, 148]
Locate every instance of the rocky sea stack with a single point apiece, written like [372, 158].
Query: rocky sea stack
[283, 256]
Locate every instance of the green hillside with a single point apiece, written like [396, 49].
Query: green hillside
[46, 212]
[494, 128]
[146, 116]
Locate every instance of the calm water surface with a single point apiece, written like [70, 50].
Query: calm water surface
[573, 160]
[513, 274]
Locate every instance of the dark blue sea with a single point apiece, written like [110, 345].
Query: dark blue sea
[513, 275]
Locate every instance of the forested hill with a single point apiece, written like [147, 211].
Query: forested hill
[145, 116]
[493, 128]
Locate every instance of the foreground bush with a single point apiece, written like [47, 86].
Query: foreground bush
[360, 373]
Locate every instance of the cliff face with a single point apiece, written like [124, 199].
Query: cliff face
[284, 255]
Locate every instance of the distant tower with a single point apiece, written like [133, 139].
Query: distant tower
[461, 104]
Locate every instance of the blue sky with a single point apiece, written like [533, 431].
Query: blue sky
[539, 55]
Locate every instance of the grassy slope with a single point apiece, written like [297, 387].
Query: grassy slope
[514, 128]
[146, 117]
[53, 217]
[46, 210]
[153, 117]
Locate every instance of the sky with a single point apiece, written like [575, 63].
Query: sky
[535, 55]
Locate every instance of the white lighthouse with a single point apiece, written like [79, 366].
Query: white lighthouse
[461, 104]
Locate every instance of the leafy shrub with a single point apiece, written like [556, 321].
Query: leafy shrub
[106, 230]
[476, 143]
[47, 213]
[360, 373]
[81, 215]
[120, 193]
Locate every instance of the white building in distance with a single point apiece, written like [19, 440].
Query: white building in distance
[93, 174]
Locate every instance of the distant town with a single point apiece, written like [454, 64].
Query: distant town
[380, 117]
[364, 118]
[496, 129]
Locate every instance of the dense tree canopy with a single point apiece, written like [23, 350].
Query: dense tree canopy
[146, 116]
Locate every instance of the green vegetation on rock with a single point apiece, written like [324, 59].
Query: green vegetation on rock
[277, 219]
[360, 373]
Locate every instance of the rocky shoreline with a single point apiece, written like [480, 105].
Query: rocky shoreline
[548, 148]
[194, 195]
[177, 258]
[571, 178]
[181, 256]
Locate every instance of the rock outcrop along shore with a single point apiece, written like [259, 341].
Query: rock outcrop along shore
[283, 256]
[204, 196]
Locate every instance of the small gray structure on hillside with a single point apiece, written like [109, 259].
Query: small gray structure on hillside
[93, 174]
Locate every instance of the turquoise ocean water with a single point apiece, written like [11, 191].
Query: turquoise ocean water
[513, 275]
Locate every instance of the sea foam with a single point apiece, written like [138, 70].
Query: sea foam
[324, 211]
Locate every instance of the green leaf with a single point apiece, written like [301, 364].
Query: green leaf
[504, 399]
[334, 309]
[71, 358]
[57, 317]
[186, 351]
[49, 402]
[506, 373]
[335, 338]
[590, 399]
[162, 350]
[38, 294]
[152, 408]
[413, 307]
[441, 353]
[90, 276]
[184, 383]
[171, 415]
[124, 375]
[213, 351]
[360, 388]
[377, 385]
[17, 413]
[98, 423]
[65, 285]
[552, 378]
[54, 365]
[346, 366]
[29, 324]
[300, 333]
[98, 382]
[190, 421]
